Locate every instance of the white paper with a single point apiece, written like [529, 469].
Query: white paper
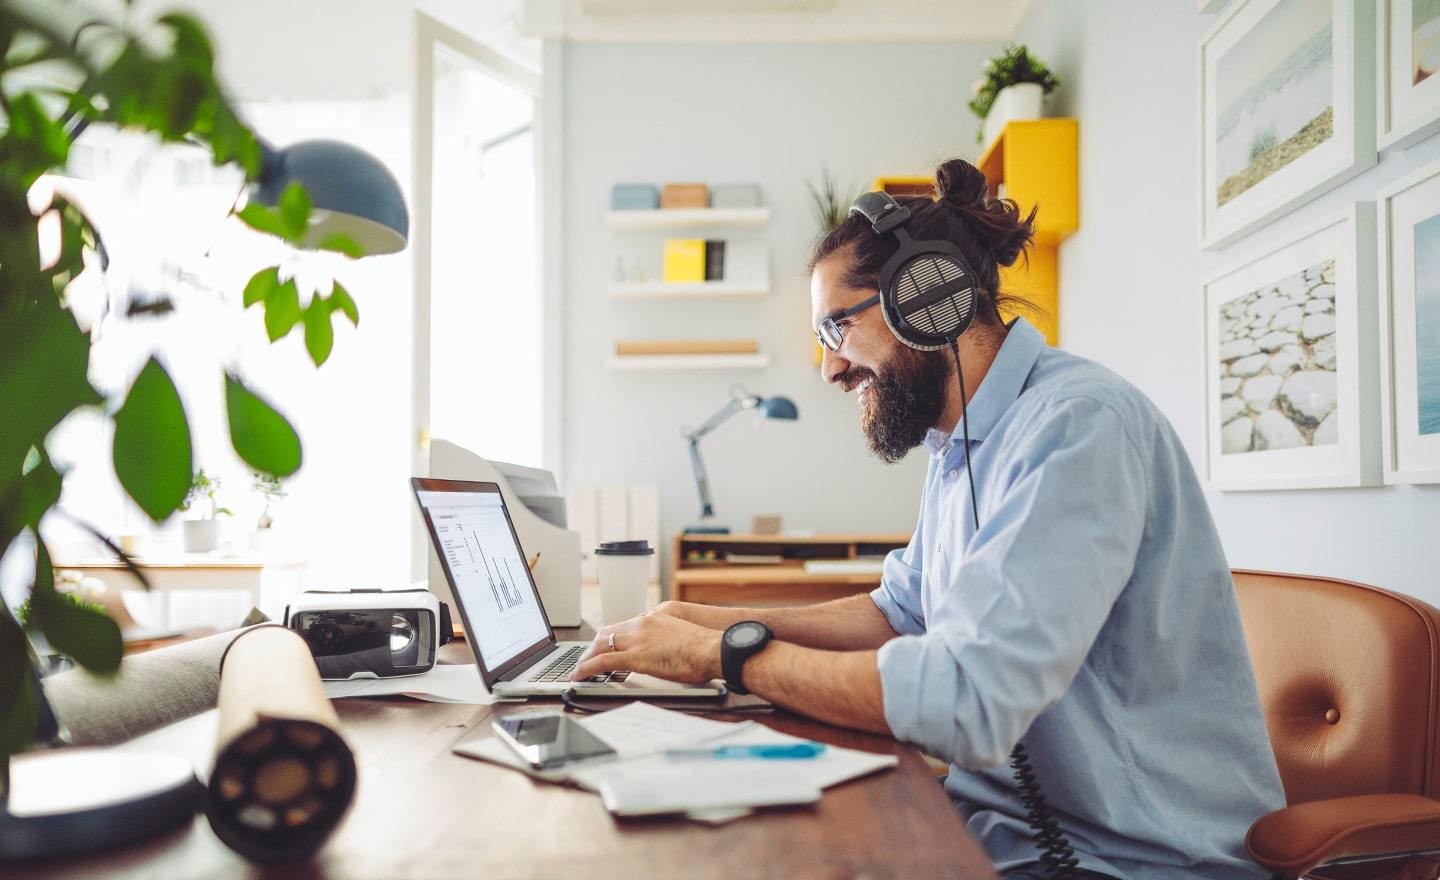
[702, 786]
[446, 683]
[641, 729]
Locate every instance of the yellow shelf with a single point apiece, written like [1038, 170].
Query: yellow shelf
[1038, 161]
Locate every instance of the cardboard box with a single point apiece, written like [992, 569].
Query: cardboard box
[685, 195]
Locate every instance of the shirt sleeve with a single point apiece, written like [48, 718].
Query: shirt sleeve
[1036, 585]
[898, 596]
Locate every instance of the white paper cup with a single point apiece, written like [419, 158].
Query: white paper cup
[624, 571]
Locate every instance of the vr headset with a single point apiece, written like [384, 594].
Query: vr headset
[371, 633]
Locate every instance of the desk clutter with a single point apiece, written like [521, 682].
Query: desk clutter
[669, 762]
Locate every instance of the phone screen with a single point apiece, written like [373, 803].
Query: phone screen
[547, 741]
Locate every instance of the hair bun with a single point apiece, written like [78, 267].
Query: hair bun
[961, 183]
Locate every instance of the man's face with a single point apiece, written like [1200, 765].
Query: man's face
[900, 391]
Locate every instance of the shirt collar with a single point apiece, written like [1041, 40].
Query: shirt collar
[1000, 388]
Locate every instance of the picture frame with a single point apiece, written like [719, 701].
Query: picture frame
[1287, 109]
[1409, 253]
[1290, 360]
[1407, 61]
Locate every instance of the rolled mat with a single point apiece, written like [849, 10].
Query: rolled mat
[283, 775]
[149, 691]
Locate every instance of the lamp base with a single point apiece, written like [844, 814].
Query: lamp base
[70, 801]
[707, 530]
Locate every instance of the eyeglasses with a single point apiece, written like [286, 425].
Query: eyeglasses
[831, 332]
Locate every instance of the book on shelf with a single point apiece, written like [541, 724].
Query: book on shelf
[862, 565]
[684, 260]
[754, 558]
[714, 260]
[686, 346]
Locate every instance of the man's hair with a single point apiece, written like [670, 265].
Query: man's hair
[989, 232]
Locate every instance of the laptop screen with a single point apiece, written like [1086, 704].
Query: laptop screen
[472, 533]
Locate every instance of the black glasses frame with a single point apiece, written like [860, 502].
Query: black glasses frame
[831, 333]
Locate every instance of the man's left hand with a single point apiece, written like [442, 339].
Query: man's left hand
[655, 644]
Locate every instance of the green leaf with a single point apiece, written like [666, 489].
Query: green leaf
[23, 502]
[294, 205]
[17, 687]
[260, 284]
[340, 299]
[341, 243]
[319, 335]
[152, 443]
[44, 358]
[79, 631]
[261, 436]
[282, 309]
[262, 219]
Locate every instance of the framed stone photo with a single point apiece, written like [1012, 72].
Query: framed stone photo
[1410, 326]
[1287, 108]
[1290, 362]
[1409, 54]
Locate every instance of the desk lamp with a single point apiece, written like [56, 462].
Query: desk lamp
[351, 193]
[766, 408]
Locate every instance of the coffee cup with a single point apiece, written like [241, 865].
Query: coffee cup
[624, 571]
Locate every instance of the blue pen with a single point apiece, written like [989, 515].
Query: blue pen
[792, 752]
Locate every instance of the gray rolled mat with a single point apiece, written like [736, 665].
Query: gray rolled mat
[151, 690]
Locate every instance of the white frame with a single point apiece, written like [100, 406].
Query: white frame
[1409, 457]
[1350, 150]
[1418, 108]
[1354, 460]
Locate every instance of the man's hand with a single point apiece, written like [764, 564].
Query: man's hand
[708, 616]
[656, 644]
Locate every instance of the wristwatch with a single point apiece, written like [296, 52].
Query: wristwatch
[741, 642]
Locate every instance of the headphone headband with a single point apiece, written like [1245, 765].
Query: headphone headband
[883, 212]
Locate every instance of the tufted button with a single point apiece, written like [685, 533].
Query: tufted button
[1332, 716]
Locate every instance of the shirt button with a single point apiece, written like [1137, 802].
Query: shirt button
[954, 473]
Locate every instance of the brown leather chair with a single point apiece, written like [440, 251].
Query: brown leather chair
[1349, 679]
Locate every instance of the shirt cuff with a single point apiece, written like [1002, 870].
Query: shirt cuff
[921, 693]
[895, 615]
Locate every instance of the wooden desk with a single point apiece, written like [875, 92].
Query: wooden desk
[422, 812]
[781, 582]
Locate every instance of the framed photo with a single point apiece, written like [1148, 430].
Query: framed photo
[1410, 326]
[1290, 362]
[1408, 53]
[1287, 107]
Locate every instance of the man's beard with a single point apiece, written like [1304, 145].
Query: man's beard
[903, 404]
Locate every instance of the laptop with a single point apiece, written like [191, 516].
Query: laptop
[514, 645]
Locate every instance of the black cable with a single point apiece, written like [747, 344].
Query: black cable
[1055, 852]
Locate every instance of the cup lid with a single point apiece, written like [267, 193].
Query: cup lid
[625, 548]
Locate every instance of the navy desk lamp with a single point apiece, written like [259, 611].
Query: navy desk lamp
[766, 408]
[351, 193]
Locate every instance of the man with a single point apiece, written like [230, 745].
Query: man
[1090, 615]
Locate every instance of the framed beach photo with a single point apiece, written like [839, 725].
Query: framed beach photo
[1408, 52]
[1409, 213]
[1287, 104]
[1290, 362]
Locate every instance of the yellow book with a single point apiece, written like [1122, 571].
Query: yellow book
[684, 260]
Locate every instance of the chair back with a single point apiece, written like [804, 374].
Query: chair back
[1349, 679]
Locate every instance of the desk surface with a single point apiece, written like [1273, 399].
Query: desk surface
[422, 812]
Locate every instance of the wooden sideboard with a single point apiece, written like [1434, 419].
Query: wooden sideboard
[713, 569]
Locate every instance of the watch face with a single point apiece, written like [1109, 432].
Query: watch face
[744, 635]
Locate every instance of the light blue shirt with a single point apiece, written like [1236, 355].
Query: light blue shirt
[1092, 617]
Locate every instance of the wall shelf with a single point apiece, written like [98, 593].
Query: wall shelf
[679, 218]
[688, 361]
[697, 290]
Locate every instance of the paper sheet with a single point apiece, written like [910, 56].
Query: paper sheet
[446, 683]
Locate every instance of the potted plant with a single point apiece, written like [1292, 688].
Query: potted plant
[270, 488]
[202, 535]
[1014, 87]
[829, 204]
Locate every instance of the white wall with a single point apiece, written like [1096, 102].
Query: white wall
[1129, 278]
[769, 114]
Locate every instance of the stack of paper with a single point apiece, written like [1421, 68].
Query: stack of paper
[643, 780]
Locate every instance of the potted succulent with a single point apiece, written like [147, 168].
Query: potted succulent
[1014, 87]
[203, 535]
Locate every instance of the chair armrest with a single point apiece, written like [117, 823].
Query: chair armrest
[1302, 837]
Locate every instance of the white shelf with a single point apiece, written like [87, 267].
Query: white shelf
[688, 361]
[695, 290]
[675, 218]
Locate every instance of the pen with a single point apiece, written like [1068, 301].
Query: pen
[794, 751]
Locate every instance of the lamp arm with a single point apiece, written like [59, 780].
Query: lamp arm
[734, 405]
[702, 482]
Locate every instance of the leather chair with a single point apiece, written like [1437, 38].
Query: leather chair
[1349, 679]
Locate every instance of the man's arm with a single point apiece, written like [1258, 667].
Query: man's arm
[848, 624]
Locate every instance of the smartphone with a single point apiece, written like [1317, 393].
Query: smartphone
[546, 741]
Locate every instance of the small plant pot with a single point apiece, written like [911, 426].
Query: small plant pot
[201, 535]
[1020, 101]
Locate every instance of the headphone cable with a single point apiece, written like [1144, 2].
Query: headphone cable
[965, 430]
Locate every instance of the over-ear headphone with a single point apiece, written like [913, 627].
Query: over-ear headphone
[927, 289]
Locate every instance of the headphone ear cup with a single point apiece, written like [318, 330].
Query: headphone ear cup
[927, 296]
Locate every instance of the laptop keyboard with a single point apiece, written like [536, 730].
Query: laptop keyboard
[560, 668]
